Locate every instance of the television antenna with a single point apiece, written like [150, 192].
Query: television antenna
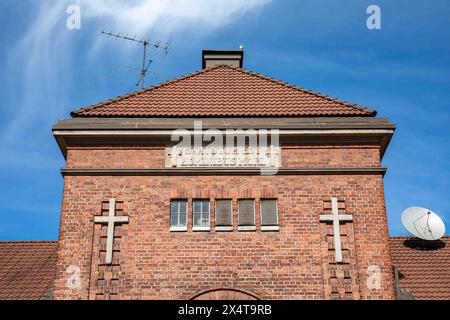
[145, 45]
[423, 223]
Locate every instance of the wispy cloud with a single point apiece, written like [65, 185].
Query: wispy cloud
[44, 57]
[140, 16]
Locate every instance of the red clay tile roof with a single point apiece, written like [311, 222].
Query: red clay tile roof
[424, 266]
[222, 91]
[26, 269]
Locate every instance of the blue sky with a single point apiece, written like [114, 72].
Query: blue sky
[47, 70]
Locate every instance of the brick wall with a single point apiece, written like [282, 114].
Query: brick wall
[330, 156]
[151, 262]
[146, 157]
[116, 157]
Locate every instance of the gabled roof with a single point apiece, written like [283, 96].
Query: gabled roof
[27, 269]
[424, 266]
[223, 91]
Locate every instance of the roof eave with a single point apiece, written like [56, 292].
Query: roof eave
[131, 130]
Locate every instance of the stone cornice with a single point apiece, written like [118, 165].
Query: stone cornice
[130, 131]
[224, 123]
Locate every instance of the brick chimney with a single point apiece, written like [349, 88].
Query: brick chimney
[230, 57]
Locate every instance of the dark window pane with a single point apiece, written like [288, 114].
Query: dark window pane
[197, 219]
[174, 206]
[183, 219]
[173, 219]
[223, 213]
[183, 205]
[205, 214]
[269, 215]
[246, 213]
[206, 206]
[197, 206]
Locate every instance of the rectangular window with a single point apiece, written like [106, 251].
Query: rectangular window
[224, 215]
[201, 215]
[178, 215]
[269, 215]
[246, 215]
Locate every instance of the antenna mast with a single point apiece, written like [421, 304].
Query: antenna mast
[145, 43]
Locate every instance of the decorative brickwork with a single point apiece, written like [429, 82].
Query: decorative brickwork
[340, 279]
[107, 280]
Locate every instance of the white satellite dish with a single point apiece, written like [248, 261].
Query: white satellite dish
[423, 223]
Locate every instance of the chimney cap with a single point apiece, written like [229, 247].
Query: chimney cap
[229, 57]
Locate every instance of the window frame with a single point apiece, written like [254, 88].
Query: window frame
[247, 228]
[201, 228]
[179, 228]
[223, 228]
[269, 228]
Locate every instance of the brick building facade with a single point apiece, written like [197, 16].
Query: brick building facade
[170, 240]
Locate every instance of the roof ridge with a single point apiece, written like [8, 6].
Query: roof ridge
[144, 90]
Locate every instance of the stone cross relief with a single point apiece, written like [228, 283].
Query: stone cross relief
[111, 220]
[336, 218]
